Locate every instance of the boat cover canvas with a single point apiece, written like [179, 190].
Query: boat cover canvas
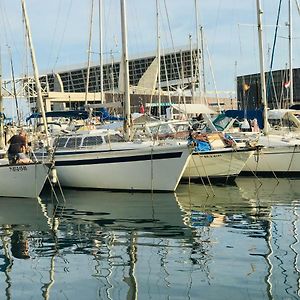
[248, 114]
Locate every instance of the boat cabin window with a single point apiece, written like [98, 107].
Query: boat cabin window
[161, 129]
[285, 122]
[92, 141]
[288, 123]
[73, 142]
[181, 127]
[60, 142]
[114, 138]
[221, 122]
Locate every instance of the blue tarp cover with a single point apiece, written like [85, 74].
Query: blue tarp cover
[199, 145]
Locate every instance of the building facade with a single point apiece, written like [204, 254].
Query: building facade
[177, 68]
[277, 90]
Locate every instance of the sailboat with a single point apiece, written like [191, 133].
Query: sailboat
[280, 154]
[21, 180]
[218, 165]
[116, 163]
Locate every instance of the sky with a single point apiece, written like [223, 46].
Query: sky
[60, 30]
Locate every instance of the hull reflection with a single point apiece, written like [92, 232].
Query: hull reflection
[114, 229]
[156, 213]
[24, 214]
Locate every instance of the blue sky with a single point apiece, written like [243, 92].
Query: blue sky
[60, 33]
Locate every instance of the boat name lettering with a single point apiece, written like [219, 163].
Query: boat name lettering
[18, 168]
[212, 155]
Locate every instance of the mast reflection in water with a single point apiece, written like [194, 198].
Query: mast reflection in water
[202, 242]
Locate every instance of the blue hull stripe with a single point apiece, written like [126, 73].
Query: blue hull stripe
[113, 160]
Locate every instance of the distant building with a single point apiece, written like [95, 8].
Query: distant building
[277, 88]
[179, 70]
[180, 82]
[178, 67]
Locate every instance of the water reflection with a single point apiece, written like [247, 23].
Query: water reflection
[282, 200]
[239, 240]
[156, 214]
[114, 228]
[266, 210]
[23, 223]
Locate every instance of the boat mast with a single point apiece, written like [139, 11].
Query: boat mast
[89, 55]
[1, 108]
[192, 69]
[158, 60]
[199, 53]
[101, 49]
[40, 104]
[127, 115]
[262, 66]
[291, 54]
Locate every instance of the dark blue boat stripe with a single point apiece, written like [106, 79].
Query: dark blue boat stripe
[96, 161]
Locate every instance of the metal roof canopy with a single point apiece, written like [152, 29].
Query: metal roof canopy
[193, 108]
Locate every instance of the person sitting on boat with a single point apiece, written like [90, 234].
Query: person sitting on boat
[22, 158]
[18, 146]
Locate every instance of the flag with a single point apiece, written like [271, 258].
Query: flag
[246, 87]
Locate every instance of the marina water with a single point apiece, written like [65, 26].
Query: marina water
[202, 242]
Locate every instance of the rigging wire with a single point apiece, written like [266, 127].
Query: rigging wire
[7, 28]
[298, 6]
[55, 30]
[62, 36]
[273, 51]
[171, 37]
[212, 72]
[216, 24]
[138, 35]
[14, 87]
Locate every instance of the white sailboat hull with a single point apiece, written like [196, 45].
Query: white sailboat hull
[157, 168]
[24, 180]
[279, 155]
[283, 160]
[217, 164]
